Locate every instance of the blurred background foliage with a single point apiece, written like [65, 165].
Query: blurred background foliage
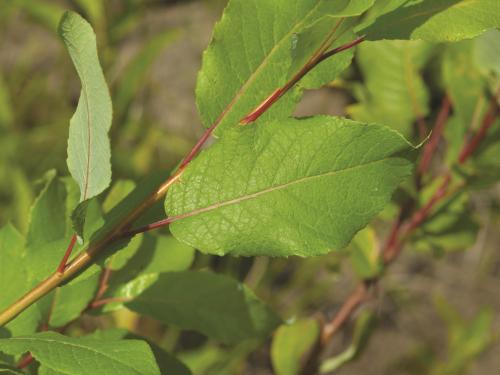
[434, 314]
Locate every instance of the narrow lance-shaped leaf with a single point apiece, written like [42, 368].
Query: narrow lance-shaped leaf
[295, 187]
[60, 354]
[251, 54]
[88, 145]
[436, 20]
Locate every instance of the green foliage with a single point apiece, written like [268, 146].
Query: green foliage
[362, 329]
[57, 354]
[278, 187]
[424, 19]
[290, 343]
[88, 144]
[278, 176]
[215, 305]
[393, 90]
[229, 86]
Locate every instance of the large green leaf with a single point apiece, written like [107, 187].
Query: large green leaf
[436, 20]
[487, 51]
[82, 356]
[213, 304]
[88, 144]
[252, 50]
[295, 187]
[393, 92]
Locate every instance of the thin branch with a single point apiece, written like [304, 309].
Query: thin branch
[400, 232]
[311, 64]
[88, 256]
[471, 146]
[437, 133]
[69, 250]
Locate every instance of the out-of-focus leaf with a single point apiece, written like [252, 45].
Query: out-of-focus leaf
[487, 51]
[88, 144]
[277, 189]
[450, 227]
[362, 331]
[14, 278]
[57, 354]
[264, 33]
[424, 19]
[290, 343]
[365, 254]
[135, 73]
[393, 92]
[48, 208]
[46, 13]
[215, 305]
[6, 113]
[153, 255]
[93, 8]
[466, 86]
[466, 339]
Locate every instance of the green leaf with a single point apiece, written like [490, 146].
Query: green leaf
[250, 55]
[48, 208]
[6, 113]
[393, 91]
[362, 331]
[167, 363]
[153, 255]
[365, 254]
[88, 145]
[290, 343]
[69, 301]
[487, 52]
[467, 87]
[436, 20]
[212, 304]
[13, 273]
[81, 356]
[295, 187]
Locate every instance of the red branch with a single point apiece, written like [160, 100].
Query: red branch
[400, 230]
[69, 250]
[437, 133]
[471, 146]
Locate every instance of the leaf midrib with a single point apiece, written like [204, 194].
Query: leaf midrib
[261, 66]
[65, 343]
[271, 189]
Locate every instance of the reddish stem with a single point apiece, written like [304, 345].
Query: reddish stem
[25, 361]
[67, 254]
[431, 146]
[471, 146]
[278, 93]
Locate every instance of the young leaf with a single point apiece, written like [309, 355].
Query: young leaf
[393, 92]
[295, 187]
[251, 52]
[88, 145]
[82, 356]
[436, 20]
[365, 254]
[362, 330]
[212, 304]
[487, 52]
[290, 343]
